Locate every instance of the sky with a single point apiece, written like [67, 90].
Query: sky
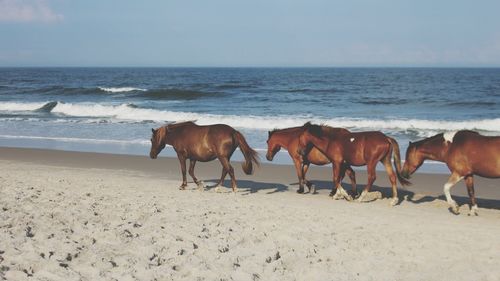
[282, 33]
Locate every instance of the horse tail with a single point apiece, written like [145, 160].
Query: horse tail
[251, 156]
[397, 161]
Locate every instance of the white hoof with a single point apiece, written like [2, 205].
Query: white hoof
[312, 188]
[361, 197]
[217, 189]
[344, 194]
[394, 201]
[337, 196]
[473, 211]
[454, 207]
[201, 186]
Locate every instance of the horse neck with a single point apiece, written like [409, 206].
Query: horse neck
[283, 138]
[435, 150]
[320, 143]
[170, 136]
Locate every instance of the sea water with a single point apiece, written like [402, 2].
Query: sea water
[113, 109]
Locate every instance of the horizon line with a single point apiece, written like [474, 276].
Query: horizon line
[248, 66]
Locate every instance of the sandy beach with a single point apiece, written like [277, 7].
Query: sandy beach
[89, 216]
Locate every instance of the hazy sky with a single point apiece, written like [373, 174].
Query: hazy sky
[249, 33]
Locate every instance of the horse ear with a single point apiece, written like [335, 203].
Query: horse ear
[153, 130]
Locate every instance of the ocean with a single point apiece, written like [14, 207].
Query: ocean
[112, 110]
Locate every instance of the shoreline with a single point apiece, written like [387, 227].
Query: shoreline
[268, 174]
[141, 149]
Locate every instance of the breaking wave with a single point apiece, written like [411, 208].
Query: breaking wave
[133, 113]
[20, 106]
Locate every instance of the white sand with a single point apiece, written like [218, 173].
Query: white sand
[59, 223]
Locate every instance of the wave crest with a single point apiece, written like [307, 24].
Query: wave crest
[120, 89]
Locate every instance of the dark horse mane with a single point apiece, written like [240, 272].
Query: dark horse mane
[423, 141]
[315, 130]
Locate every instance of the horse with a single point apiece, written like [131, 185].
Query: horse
[356, 149]
[289, 139]
[466, 153]
[203, 143]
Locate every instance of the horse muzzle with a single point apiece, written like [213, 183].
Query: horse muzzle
[269, 157]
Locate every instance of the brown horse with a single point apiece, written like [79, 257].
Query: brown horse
[358, 149]
[289, 139]
[466, 153]
[203, 143]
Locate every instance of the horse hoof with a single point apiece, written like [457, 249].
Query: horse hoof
[300, 191]
[473, 211]
[347, 196]
[394, 202]
[331, 194]
[201, 186]
[182, 187]
[455, 209]
[217, 189]
[337, 196]
[312, 190]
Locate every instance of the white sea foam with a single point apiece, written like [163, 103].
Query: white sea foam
[19, 106]
[126, 112]
[120, 89]
[130, 113]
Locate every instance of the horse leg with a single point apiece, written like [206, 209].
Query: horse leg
[372, 175]
[338, 173]
[469, 182]
[300, 175]
[200, 184]
[454, 178]
[352, 176]
[334, 192]
[182, 160]
[222, 177]
[227, 166]
[392, 178]
[310, 185]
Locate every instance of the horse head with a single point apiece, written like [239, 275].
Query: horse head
[414, 159]
[158, 141]
[272, 146]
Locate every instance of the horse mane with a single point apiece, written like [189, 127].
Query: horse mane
[429, 139]
[315, 130]
[176, 125]
[283, 130]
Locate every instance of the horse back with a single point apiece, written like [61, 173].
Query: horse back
[359, 147]
[204, 143]
[472, 153]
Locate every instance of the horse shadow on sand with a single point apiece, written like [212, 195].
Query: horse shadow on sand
[406, 195]
[249, 186]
